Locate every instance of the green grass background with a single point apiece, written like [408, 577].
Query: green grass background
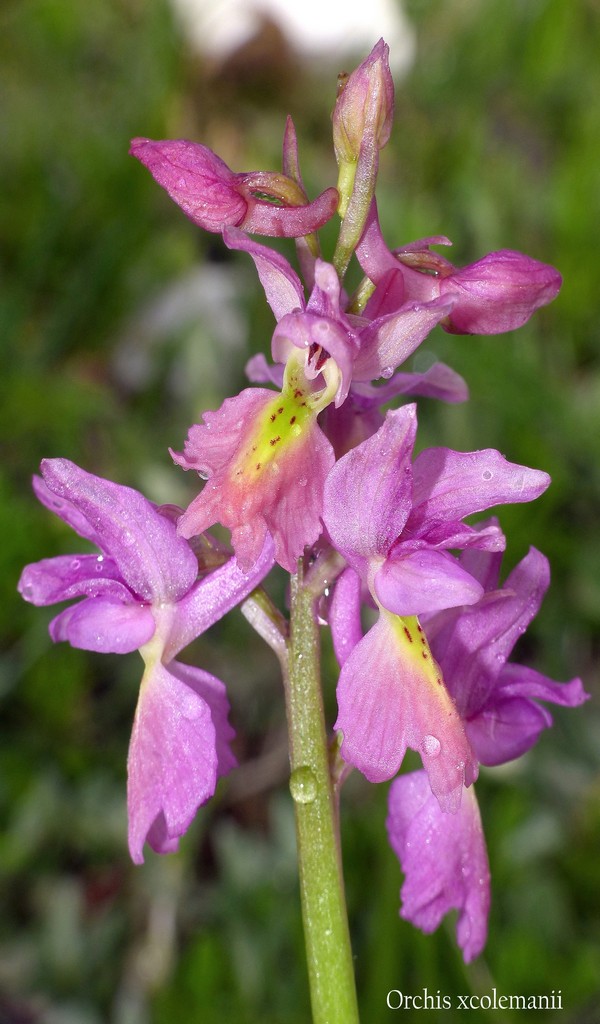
[120, 322]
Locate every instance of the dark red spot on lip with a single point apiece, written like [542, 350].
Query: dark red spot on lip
[274, 440]
[420, 628]
[298, 393]
[424, 655]
[272, 417]
[257, 466]
[293, 420]
[280, 410]
[407, 635]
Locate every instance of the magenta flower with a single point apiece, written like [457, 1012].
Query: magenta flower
[265, 460]
[496, 294]
[264, 456]
[142, 592]
[394, 522]
[213, 196]
[363, 348]
[443, 856]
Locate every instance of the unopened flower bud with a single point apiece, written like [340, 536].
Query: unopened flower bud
[364, 108]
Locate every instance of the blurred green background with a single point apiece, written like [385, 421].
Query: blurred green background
[120, 323]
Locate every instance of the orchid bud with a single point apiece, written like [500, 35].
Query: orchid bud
[364, 108]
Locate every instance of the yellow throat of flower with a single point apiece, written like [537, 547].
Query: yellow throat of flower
[284, 421]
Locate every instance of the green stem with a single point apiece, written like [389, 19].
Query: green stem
[328, 951]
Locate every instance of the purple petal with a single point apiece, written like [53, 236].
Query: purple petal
[483, 565]
[67, 511]
[450, 485]
[212, 691]
[439, 381]
[424, 581]
[350, 424]
[389, 294]
[344, 614]
[511, 722]
[153, 560]
[212, 597]
[390, 697]
[282, 285]
[522, 681]
[258, 371]
[499, 292]
[109, 627]
[326, 295]
[196, 179]
[368, 492]
[372, 253]
[67, 576]
[172, 763]
[506, 729]
[390, 340]
[455, 534]
[473, 653]
[444, 859]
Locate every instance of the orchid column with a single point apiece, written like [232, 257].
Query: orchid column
[308, 472]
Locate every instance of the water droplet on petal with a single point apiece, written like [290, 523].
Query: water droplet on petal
[487, 474]
[302, 482]
[387, 372]
[431, 746]
[303, 785]
[27, 591]
[75, 564]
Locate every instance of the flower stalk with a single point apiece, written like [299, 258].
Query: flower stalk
[328, 950]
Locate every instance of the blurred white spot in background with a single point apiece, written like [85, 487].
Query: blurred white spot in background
[314, 28]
